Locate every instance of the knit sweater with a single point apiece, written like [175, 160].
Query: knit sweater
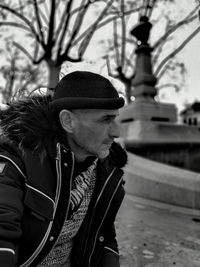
[80, 198]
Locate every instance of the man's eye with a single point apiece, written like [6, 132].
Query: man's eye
[107, 120]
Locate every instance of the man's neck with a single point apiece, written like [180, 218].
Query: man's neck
[79, 153]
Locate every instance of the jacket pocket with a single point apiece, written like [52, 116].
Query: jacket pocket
[41, 206]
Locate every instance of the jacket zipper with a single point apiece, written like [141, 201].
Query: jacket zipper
[96, 205]
[59, 173]
[42, 243]
[95, 239]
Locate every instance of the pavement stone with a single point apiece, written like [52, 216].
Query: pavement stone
[154, 234]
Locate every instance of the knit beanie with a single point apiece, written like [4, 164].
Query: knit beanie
[85, 90]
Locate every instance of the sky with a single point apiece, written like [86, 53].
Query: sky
[191, 58]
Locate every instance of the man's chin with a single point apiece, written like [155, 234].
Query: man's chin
[103, 154]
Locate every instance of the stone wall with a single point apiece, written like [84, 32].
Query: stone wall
[184, 155]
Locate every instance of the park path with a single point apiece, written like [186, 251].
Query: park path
[153, 234]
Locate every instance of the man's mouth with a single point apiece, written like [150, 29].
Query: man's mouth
[109, 143]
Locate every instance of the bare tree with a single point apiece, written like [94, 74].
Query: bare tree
[20, 76]
[58, 29]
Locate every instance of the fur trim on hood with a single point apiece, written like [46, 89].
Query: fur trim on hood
[27, 123]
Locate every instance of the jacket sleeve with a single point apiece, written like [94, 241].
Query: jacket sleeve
[11, 210]
[110, 256]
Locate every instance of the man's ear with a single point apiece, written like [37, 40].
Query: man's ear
[66, 120]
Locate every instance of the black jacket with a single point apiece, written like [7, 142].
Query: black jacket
[34, 191]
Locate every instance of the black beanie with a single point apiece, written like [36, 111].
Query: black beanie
[85, 90]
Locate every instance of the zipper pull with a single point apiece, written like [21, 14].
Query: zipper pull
[57, 151]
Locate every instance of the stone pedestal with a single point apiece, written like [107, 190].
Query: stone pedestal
[167, 142]
[139, 133]
[148, 110]
[146, 121]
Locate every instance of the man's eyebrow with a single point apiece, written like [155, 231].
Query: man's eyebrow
[109, 116]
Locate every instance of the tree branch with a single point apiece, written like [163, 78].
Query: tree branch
[70, 59]
[14, 24]
[116, 47]
[24, 19]
[129, 61]
[189, 18]
[157, 53]
[63, 17]
[123, 32]
[177, 50]
[20, 47]
[43, 15]
[20, 6]
[36, 51]
[100, 25]
[39, 23]
[108, 65]
[50, 40]
[38, 61]
[23, 50]
[122, 76]
[77, 24]
[88, 37]
[65, 21]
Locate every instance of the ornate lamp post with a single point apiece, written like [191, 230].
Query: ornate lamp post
[144, 80]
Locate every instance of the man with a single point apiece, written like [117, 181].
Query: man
[60, 176]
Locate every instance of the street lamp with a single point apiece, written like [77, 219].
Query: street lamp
[144, 81]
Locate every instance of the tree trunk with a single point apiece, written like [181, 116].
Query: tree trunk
[53, 78]
[7, 95]
[128, 87]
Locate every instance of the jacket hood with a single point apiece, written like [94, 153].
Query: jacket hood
[27, 123]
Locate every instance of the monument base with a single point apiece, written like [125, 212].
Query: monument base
[153, 132]
[150, 110]
[169, 143]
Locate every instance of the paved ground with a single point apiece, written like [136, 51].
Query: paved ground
[152, 234]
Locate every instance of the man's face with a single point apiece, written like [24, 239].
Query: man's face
[94, 131]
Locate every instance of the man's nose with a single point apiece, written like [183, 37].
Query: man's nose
[114, 130]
